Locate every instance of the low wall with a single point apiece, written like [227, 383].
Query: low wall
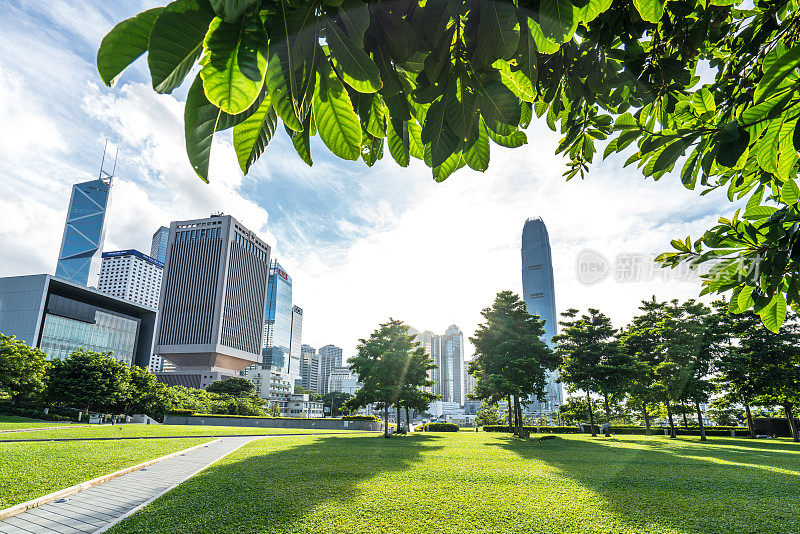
[265, 422]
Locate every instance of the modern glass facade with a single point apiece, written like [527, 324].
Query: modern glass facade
[296, 342]
[109, 332]
[83, 233]
[539, 294]
[278, 319]
[158, 248]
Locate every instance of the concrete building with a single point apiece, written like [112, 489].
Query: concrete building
[131, 275]
[343, 380]
[538, 292]
[271, 384]
[330, 357]
[59, 316]
[158, 247]
[298, 405]
[440, 407]
[309, 368]
[79, 257]
[211, 311]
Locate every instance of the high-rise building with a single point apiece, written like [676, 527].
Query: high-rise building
[330, 357]
[79, 258]
[539, 294]
[158, 248]
[278, 319]
[296, 342]
[447, 353]
[343, 380]
[211, 310]
[309, 368]
[131, 275]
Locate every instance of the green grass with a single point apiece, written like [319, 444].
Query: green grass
[29, 470]
[481, 482]
[108, 431]
[12, 422]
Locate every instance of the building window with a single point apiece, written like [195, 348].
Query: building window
[535, 267]
[537, 295]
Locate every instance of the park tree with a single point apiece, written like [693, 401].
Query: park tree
[22, 368]
[414, 399]
[511, 358]
[582, 345]
[87, 380]
[336, 400]
[389, 360]
[234, 387]
[488, 414]
[575, 410]
[438, 80]
[144, 394]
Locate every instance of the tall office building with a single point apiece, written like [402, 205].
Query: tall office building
[296, 342]
[539, 294]
[211, 311]
[309, 368]
[79, 258]
[447, 353]
[278, 319]
[158, 247]
[330, 357]
[343, 380]
[131, 275]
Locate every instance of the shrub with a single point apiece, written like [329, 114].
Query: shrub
[37, 413]
[360, 418]
[180, 411]
[438, 427]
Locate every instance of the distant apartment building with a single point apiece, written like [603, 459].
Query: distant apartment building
[330, 357]
[299, 405]
[59, 316]
[309, 368]
[211, 311]
[82, 242]
[271, 384]
[343, 380]
[158, 247]
[131, 275]
[447, 353]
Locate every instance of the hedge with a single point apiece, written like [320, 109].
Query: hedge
[37, 413]
[344, 418]
[715, 431]
[360, 418]
[180, 411]
[438, 427]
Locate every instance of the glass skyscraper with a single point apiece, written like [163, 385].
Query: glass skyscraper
[158, 248]
[539, 294]
[278, 319]
[81, 245]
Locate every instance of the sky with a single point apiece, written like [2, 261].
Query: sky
[361, 244]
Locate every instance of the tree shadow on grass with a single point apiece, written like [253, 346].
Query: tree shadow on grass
[651, 484]
[265, 487]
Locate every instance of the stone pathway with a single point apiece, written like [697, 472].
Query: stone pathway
[96, 508]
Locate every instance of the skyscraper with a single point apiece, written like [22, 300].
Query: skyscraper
[539, 295]
[84, 230]
[278, 319]
[158, 247]
[211, 310]
[296, 342]
[309, 368]
[131, 275]
[447, 353]
[330, 357]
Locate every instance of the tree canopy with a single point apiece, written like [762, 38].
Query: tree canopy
[703, 88]
[22, 368]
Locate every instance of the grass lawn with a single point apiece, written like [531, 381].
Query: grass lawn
[12, 422]
[484, 482]
[108, 431]
[29, 470]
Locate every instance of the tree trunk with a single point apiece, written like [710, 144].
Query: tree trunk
[591, 413]
[386, 420]
[700, 421]
[398, 417]
[510, 411]
[750, 426]
[685, 420]
[518, 415]
[792, 429]
[671, 422]
[408, 420]
[646, 419]
[608, 409]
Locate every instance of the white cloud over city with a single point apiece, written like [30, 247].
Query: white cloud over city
[360, 244]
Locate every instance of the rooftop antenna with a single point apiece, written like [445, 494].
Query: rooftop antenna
[105, 176]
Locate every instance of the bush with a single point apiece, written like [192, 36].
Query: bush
[37, 413]
[180, 411]
[360, 418]
[438, 427]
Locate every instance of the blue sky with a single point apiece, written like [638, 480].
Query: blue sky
[361, 244]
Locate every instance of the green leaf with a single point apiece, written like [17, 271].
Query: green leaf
[251, 136]
[558, 20]
[231, 10]
[451, 165]
[477, 157]
[498, 104]
[376, 123]
[774, 313]
[355, 15]
[767, 147]
[176, 42]
[399, 144]
[229, 82]
[416, 148]
[201, 119]
[650, 10]
[353, 64]
[337, 122]
[438, 134]
[592, 9]
[776, 74]
[301, 143]
[543, 44]
[790, 193]
[512, 140]
[123, 44]
[745, 298]
[276, 81]
[371, 149]
[670, 154]
[498, 32]
[703, 102]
